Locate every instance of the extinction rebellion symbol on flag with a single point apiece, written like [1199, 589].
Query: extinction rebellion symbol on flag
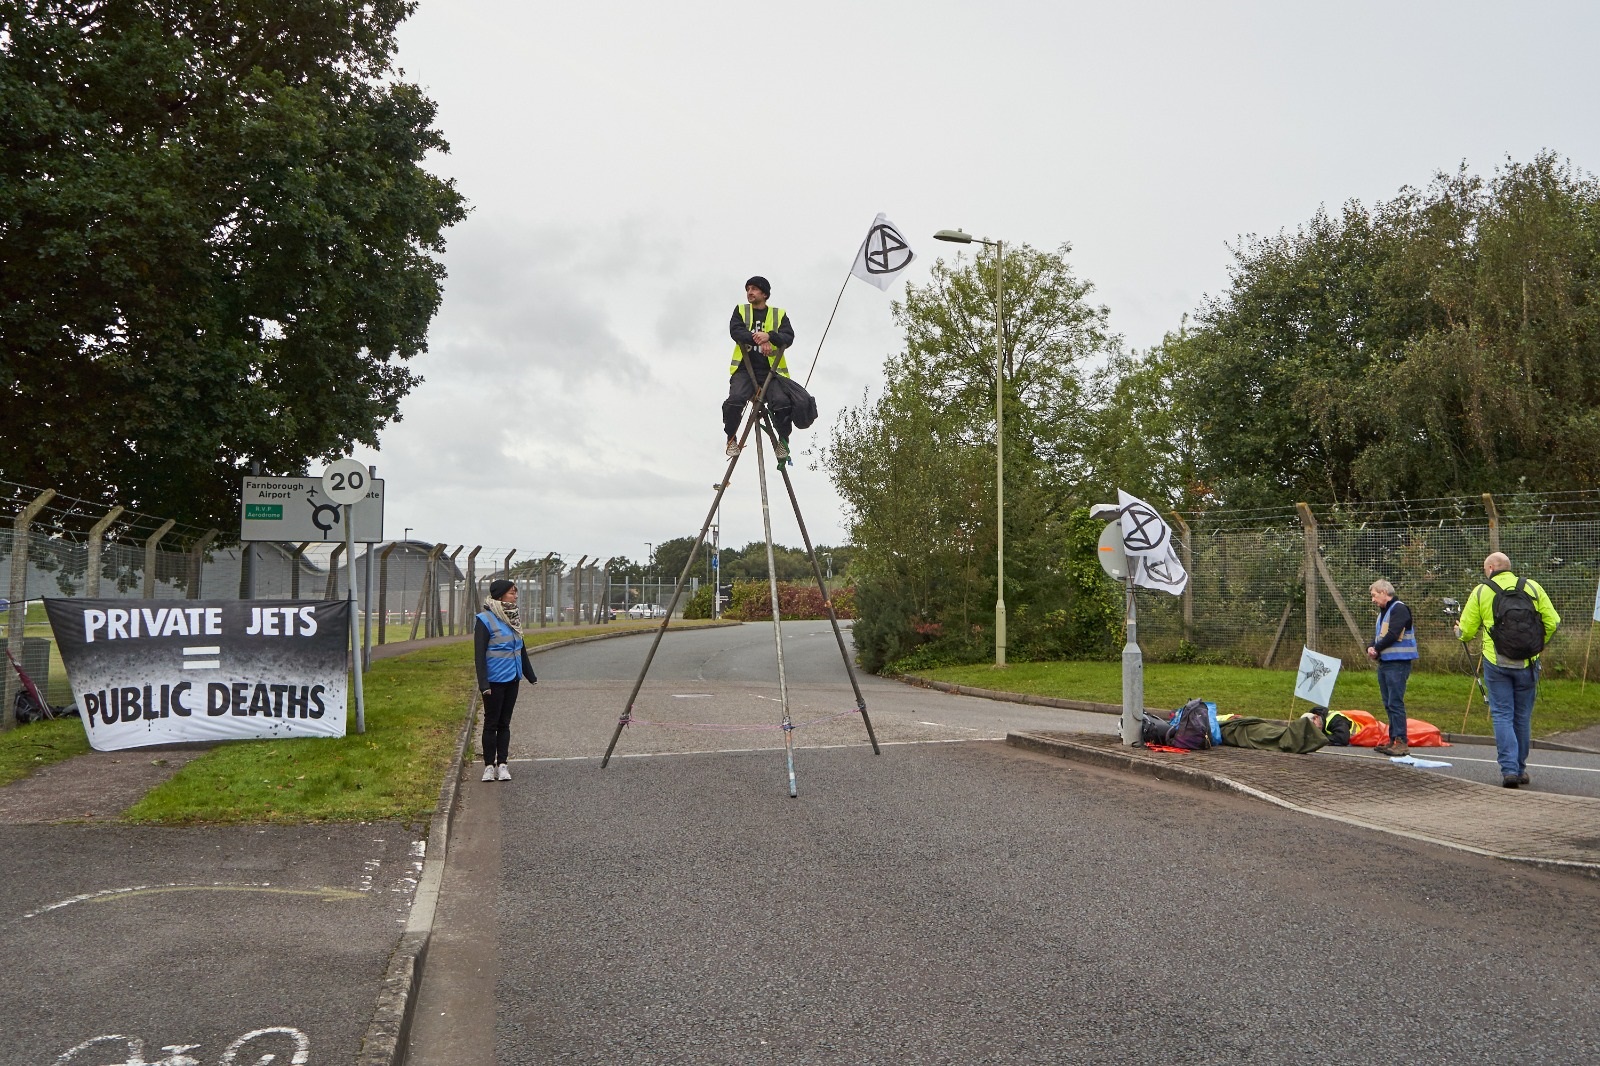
[887, 251]
[883, 255]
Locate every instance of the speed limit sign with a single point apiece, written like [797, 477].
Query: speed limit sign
[345, 481]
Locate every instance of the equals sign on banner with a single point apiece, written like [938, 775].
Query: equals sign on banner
[192, 660]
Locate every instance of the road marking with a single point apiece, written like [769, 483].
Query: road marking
[1468, 758]
[747, 751]
[113, 894]
[941, 725]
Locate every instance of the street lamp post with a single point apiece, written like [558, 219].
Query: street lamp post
[650, 561]
[956, 236]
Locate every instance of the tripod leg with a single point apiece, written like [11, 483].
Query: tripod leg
[705, 528]
[777, 631]
[827, 601]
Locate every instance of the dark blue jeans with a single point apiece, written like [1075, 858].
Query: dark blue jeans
[1511, 692]
[1392, 677]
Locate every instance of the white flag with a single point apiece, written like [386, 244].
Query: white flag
[1317, 674]
[883, 255]
[1147, 539]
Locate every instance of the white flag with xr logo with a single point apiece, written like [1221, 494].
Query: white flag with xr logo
[883, 255]
[1147, 539]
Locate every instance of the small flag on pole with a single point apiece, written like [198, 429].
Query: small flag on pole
[883, 255]
[1317, 674]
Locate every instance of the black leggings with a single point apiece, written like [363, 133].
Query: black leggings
[741, 390]
[497, 708]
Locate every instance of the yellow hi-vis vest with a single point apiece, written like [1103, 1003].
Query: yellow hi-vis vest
[773, 320]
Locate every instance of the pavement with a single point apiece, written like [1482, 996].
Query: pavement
[1535, 828]
[279, 940]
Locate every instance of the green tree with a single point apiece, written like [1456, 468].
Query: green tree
[1444, 342]
[216, 242]
[916, 466]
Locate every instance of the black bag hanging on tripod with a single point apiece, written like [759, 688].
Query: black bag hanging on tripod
[802, 405]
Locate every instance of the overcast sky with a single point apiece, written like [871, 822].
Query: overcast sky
[630, 164]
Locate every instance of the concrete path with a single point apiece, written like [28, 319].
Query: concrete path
[1541, 829]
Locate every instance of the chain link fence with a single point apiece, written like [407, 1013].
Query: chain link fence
[55, 546]
[1250, 602]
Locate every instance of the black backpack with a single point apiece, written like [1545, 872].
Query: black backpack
[1518, 629]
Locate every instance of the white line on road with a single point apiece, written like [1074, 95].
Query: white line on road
[1468, 758]
[747, 751]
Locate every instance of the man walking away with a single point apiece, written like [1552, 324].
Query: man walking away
[1394, 649]
[1517, 620]
[761, 334]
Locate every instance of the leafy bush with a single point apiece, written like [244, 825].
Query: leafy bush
[752, 601]
[700, 604]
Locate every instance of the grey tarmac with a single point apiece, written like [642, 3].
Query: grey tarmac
[197, 936]
[953, 900]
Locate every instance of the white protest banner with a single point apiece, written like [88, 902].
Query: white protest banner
[170, 671]
[883, 255]
[1317, 674]
[1147, 539]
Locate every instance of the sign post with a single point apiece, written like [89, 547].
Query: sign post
[345, 483]
[1114, 561]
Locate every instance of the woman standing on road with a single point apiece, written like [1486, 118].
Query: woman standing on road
[501, 660]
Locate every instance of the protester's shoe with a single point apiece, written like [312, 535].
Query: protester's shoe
[1522, 778]
[732, 449]
[1393, 749]
[1510, 782]
[488, 772]
[505, 772]
[782, 450]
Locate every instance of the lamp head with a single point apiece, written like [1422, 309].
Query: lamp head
[954, 236]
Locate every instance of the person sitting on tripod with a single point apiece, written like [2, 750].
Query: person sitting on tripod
[761, 334]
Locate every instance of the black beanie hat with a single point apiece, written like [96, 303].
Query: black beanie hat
[761, 283]
[498, 589]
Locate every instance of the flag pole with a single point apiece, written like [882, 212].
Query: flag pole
[836, 299]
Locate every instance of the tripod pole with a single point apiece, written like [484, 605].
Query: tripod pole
[827, 601]
[1477, 667]
[705, 529]
[777, 631]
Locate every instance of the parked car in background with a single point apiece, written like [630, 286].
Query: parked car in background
[647, 610]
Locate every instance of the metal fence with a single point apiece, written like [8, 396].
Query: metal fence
[1250, 599]
[55, 546]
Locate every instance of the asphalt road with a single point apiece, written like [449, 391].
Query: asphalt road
[952, 900]
[261, 940]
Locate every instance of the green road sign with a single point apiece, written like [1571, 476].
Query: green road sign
[264, 512]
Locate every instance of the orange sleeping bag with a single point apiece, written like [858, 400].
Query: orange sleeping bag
[1419, 734]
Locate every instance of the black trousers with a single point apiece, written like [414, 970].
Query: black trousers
[741, 391]
[497, 708]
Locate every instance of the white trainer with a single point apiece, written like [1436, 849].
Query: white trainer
[732, 449]
[505, 772]
[488, 772]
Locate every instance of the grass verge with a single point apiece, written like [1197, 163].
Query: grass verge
[415, 704]
[33, 747]
[1437, 698]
